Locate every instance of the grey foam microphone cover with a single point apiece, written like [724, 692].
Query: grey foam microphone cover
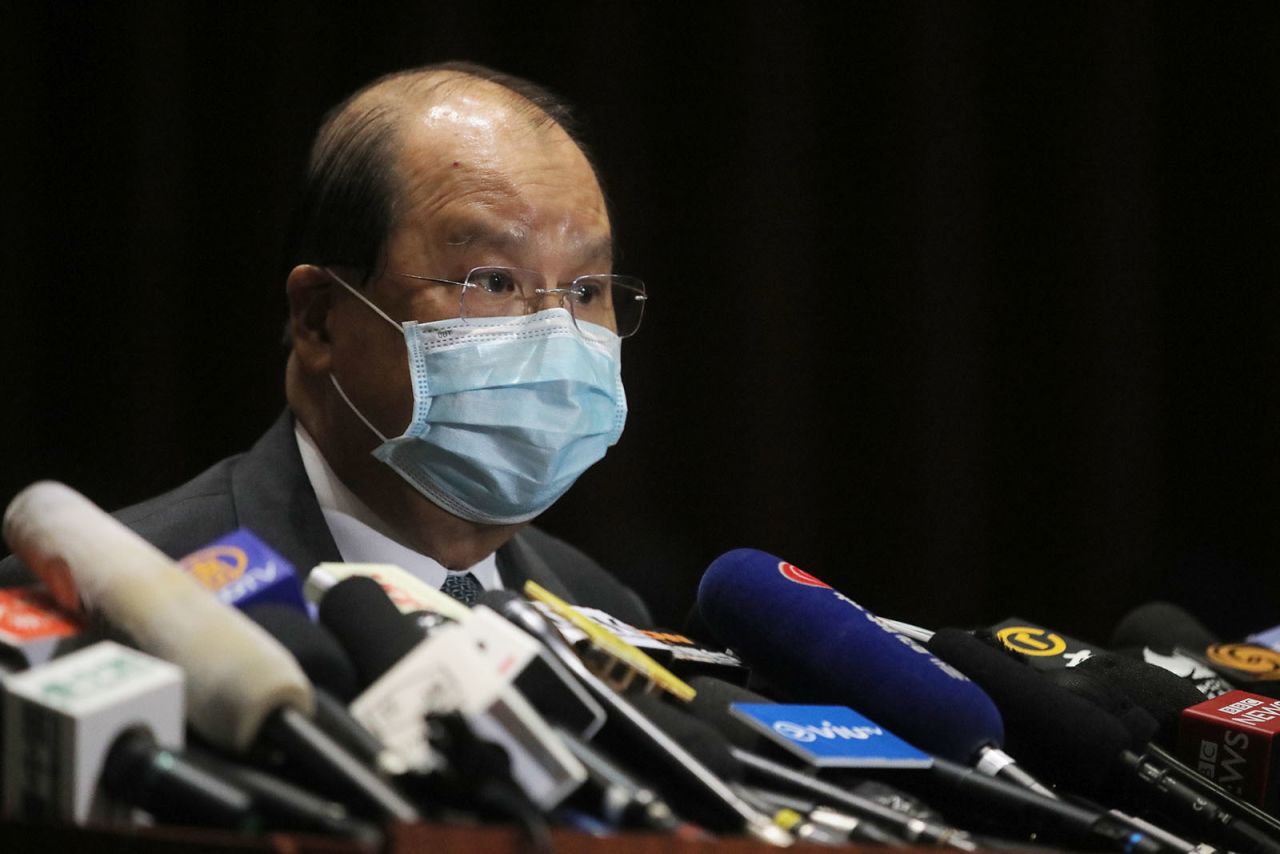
[236, 673]
[1162, 626]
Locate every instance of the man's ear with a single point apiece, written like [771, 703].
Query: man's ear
[310, 291]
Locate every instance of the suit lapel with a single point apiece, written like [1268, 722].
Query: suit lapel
[273, 498]
[518, 563]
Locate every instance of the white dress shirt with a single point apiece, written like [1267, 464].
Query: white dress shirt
[361, 536]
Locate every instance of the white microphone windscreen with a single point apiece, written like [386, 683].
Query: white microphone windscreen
[237, 674]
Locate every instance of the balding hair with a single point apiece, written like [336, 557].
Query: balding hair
[346, 210]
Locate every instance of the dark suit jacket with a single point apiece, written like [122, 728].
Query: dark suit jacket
[266, 490]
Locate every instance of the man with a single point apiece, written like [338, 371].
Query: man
[455, 332]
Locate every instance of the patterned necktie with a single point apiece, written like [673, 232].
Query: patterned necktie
[463, 587]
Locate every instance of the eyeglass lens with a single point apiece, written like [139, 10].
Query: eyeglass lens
[612, 301]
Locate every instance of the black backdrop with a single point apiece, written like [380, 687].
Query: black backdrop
[968, 308]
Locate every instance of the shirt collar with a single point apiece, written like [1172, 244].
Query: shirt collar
[361, 535]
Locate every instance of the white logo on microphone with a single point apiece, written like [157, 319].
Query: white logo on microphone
[808, 733]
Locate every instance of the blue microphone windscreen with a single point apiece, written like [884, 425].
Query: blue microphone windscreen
[821, 647]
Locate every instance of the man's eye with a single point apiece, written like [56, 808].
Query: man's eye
[587, 292]
[495, 281]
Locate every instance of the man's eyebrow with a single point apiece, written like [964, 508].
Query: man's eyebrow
[468, 236]
[472, 235]
[601, 248]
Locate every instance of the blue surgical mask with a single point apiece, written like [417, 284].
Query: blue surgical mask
[507, 411]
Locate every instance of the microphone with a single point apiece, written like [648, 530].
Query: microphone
[1037, 814]
[98, 731]
[31, 627]
[316, 650]
[1231, 740]
[243, 571]
[1163, 625]
[712, 708]
[1168, 636]
[874, 822]
[1165, 628]
[367, 624]
[467, 667]
[286, 806]
[800, 633]
[409, 593]
[1164, 696]
[1078, 743]
[333, 678]
[1115, 682]
[623, 666]
[377, 634]
[1060, 736]
[616, 795]
[242, 687]
[1041, 648]
[724, 808]
[357, 603]
[247, 574]
[818, 645]
[1159, 692]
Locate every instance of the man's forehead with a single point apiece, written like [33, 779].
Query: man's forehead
[468, 113]
[473, 229]
[489, 148]
[479, 166]
[483, 137]
[479, 110]
[502, 199]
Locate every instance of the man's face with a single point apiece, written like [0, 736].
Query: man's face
[480, 186]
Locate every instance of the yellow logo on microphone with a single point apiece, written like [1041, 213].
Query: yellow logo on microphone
[1030, 640]
[1258, 661]
[216, 566]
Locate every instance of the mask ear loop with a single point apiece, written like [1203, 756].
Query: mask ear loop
[352, 407]
[334, 379]
[364, 299]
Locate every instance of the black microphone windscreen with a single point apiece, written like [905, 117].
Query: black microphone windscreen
[1055, 734]
[368, 625]
[711, 705]
[1161, 626]
[141, 773]
[317, 650]
[1162, 694]
[702, 742]
[1112, 698]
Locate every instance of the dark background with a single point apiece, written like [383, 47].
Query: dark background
[968, 308]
